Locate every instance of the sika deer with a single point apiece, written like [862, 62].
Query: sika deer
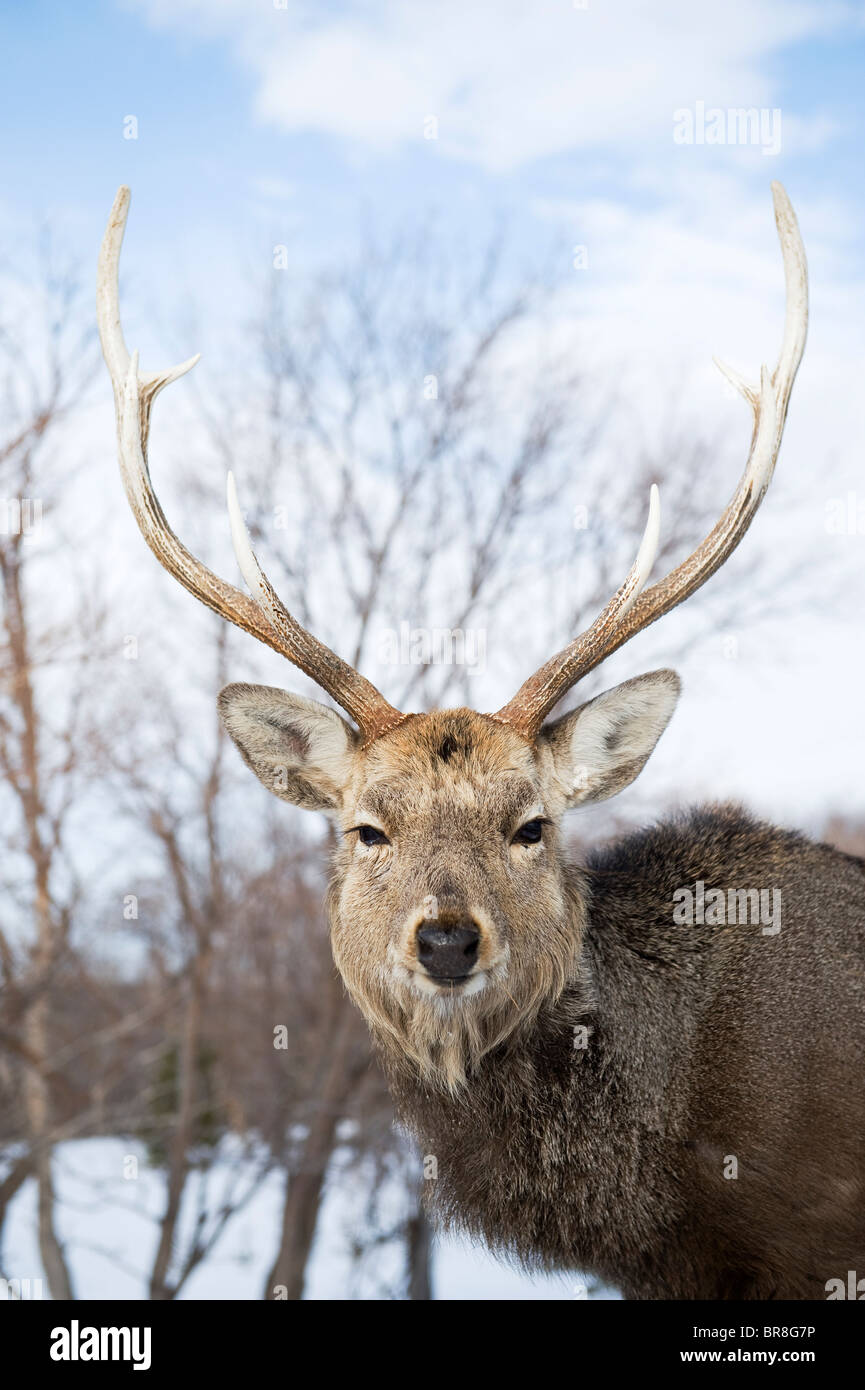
[604, 1084]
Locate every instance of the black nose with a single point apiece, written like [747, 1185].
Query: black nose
[448, 951]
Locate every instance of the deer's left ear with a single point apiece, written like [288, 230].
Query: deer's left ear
[602, 746]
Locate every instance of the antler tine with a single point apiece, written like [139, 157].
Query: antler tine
[267, 620]
[114, 348]
[617, 623]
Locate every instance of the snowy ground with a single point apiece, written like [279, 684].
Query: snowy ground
[108, 1200]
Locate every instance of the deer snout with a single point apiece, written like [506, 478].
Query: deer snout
[448, 951]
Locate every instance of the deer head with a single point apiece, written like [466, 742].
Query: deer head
[453, 918]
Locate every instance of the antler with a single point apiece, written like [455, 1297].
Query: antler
[630, 611]
[267, 619]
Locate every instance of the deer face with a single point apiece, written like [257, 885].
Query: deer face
[450, 917]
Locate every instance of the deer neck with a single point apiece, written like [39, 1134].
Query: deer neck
[561, 1108]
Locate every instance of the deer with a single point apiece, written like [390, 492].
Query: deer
[597, 1082]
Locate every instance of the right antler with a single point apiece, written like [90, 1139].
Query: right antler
[630, 611]
[267, 619]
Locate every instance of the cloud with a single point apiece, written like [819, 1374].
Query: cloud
[507, 82]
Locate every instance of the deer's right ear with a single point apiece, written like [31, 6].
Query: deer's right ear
[300, 750]
[602, 746]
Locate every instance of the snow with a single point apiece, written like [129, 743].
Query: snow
[109, 1200]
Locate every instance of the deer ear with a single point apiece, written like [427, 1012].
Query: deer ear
[602, 746]
[300, 750]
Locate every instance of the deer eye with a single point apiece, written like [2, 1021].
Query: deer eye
[370, 836]
[530, 833]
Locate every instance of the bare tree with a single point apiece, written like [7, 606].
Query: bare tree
[45, 364]
[185, 920]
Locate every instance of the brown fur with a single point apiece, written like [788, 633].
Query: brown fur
[704, 1043]
[584, 1105]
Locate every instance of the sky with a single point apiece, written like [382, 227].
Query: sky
[243, 124]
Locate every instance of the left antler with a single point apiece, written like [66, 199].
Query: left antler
[630, 610]
[265, 616]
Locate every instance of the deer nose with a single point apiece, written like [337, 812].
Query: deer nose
[448, 951]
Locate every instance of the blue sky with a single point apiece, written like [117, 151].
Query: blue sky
[263, 123]
[219, 146]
